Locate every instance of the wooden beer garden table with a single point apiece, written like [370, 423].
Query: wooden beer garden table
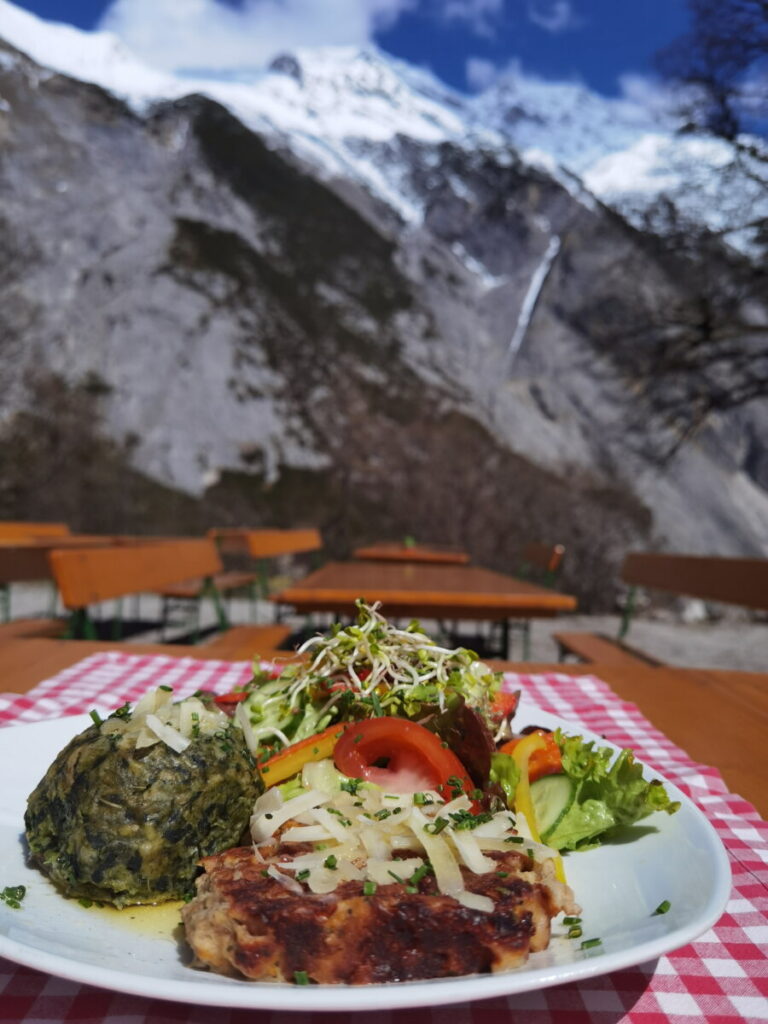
[429, 591]
[392, 551]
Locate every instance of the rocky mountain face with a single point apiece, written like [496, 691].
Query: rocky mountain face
[493, 357]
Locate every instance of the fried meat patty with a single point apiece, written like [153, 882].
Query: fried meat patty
[244, 923]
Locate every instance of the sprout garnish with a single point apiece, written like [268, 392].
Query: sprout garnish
[370, 668]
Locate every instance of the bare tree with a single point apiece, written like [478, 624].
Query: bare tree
[723, 61]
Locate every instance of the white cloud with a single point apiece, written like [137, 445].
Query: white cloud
[650, 93]
[480, 73]
[197, 34]
[479, 15]
[553, 15]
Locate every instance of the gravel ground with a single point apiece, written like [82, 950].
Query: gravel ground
[731, 641]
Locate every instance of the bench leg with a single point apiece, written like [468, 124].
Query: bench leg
[506, 636]
[80, 626]
[117, 621]
[526, 631]
[629, 611]
[221, 612]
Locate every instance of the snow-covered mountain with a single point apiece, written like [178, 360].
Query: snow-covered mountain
[336, 291]
[337, 107]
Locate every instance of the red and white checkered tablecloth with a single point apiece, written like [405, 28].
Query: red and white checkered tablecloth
[721, 978]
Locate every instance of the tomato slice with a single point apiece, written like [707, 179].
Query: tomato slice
[225, 700]
[505, 704]
[400, 756]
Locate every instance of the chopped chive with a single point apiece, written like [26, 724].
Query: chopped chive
[96, 717]
[12, 895]
[343, 820]
[301, 977]
[515, 839]
[590, 943]
[369, 888]
[330, 862]
[663, 907]
[575, 932]
[301, 876]
[571, 920]
[419, 873]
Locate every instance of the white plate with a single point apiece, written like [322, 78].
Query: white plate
[679, 858]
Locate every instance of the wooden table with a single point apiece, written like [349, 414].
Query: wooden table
[427, 590]
[392, 551]
[718, 717]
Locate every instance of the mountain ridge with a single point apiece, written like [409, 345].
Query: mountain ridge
[329, 102]
[253, 321]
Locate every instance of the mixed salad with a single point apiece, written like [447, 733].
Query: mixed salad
[389, 709]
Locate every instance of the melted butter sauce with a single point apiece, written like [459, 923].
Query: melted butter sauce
[155, 921]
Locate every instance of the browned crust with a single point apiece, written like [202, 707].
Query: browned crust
[246, 924]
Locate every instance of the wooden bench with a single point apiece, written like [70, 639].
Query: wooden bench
[741, 581]
[219, 585]
[20, 530]
[596, 647]
[19, 628]
[89, 576]
[244, 643]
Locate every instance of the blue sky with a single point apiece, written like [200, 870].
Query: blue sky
[464, 42]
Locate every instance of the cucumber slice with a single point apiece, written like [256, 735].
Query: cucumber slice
[552, 796]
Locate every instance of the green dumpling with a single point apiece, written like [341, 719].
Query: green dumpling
[122, 817]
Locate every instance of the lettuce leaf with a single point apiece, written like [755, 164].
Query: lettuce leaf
[610, 794]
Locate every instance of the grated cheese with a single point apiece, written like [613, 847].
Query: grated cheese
[155, 718]
[360, 835]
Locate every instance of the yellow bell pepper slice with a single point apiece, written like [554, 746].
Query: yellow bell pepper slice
[292, 759]
[523, 803]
